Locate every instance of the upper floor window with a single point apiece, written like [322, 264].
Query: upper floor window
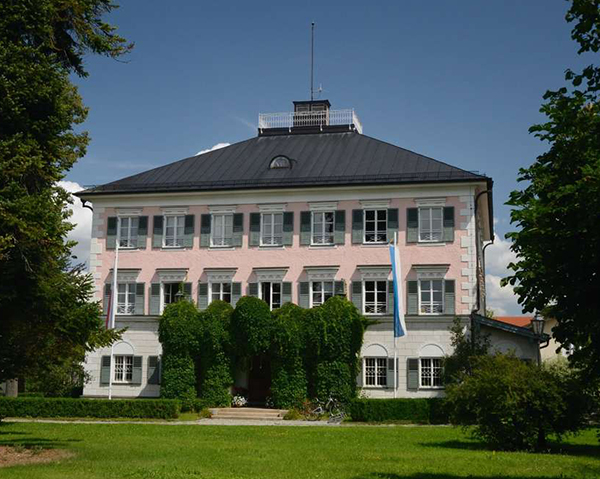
[128, 234]
[280, 162]
[220, 292]
[126, 298]
[323, 227]
[174, 230]
[321, 292]
[271, 229]
[376, 226]
[172, 292]
[222, 230]
[431, 296]
[375, 372]
[270, 293]
[375, 297]
[430, 223]
[430, 374]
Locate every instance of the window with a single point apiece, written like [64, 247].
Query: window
[375, 297]
[280, 162]
[375, 226]
[222, 230]
[171, 293]
[431, 296]
[126, 298]
[322, 227]
[375, 372]
[271, 230]
[220, 291]
[174, 227]
[431, 372]
[271, 294]
[123, 369]
[129, 232]
[430, 224]
[321, 292]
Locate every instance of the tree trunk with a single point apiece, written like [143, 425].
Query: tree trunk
[12, 388]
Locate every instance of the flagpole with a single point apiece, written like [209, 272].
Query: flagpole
[113, 309]
[395, 338]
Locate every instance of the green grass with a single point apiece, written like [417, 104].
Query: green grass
[171, 452]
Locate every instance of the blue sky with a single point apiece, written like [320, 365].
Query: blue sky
[460, 81]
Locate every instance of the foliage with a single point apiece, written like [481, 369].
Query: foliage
[59, 380]
[418, 410]
[46, 315]
[558, 212]
[178, 379]
[465, 351]
[251, 327]
[514, 405]
[98, 408]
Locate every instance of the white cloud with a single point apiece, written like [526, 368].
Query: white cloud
[501, 300]
[82, 219]
[218, 146]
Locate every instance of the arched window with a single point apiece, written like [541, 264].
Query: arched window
[280, 162]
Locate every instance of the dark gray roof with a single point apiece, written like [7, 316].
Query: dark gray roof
[322, 159]
[510, 328]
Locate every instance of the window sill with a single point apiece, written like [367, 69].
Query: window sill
[436, 388]
[173, 248]
[271, 247]
[221, 248]
[322, 246]
[381, 388]
[374, 245]
[431, 243]
[377, 315]
[124, 250]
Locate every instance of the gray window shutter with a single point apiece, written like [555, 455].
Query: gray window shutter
[449, 297]
[188, 232]
[105, 370]
[339, 232]
[238, 229]
[154, 299]
[390, 305]
[187, 291]
[288, 229]
[339, 288]
[253, 289]
[106, 302]
[305, 227]
[412, 297]
[357, 226]
[142, 232]
[139, 298]
[236, 293]
[153, 370]
[357, 288]
[412, 374]
[448, 234]
[254, 229]
[111, 232]
[391, 377]
[137, 370]
[202, 296]
[205, 222]
[359, 376]
[157, 232]
[286, 292]
[412, 225]
[304, 294]
[392, 223]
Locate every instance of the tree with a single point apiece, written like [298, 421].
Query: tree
[558, 213]
[466, 349]
[44, 301]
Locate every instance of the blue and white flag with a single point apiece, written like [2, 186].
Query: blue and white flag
[399, 323]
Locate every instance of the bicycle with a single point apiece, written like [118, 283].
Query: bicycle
[332, 408]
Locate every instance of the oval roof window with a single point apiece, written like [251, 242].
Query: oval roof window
[280, 162]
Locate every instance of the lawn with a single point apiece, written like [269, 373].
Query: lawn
[359, 452]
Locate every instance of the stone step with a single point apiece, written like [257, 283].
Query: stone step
[249, 418]
[248, 413]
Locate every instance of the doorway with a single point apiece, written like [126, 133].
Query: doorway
[259, 380]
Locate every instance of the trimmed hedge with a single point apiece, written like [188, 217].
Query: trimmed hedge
[98, 408]
[421, 410]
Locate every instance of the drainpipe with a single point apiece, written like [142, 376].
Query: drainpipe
[491, 226]
[85, 205]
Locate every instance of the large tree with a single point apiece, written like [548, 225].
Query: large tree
[558, 213]
[45, 313]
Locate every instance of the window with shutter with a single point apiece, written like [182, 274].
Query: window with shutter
[321, 292]
[375, 372]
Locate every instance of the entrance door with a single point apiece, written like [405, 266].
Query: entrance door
[259, 381]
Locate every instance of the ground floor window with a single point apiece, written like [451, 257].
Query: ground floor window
[375, 372]
[123, 369]
[221, 291]
[321, 292]
[270, 293]
[375, 297]
[431, 372]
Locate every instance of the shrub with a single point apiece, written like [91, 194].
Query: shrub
[333, 379]
[421, 410]
[98, 408]
[178, 379]
[251, 327]
[514, 405]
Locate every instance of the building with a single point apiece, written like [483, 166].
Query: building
[301, 212]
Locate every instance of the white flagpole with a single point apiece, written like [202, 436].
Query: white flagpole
[395, 338]
[113, 309]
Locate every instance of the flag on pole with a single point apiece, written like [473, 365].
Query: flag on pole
[399, 323]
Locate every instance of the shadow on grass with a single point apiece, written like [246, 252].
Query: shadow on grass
[425, 475]
[585, 450]
[31, 442]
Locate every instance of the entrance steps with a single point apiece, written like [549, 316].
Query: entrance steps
[248, 413]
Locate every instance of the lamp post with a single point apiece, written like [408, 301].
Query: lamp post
[537, 325]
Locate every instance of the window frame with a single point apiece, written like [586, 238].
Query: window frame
[129, 286]
[376, 221]
[131, 240]
[377, 368]
[272, 214]
[227, 239]
[441, 229]
[431, 291]
[322, 282]
[178, 240]
[221, 293]
[127, 369]
[163, 285]
[432, 369]
[376, 291]
[323, 223]
[270, 301]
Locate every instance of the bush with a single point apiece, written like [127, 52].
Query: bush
[251, 327]
[421, 410]
[514, 405]
[178, 379]
[98, 408]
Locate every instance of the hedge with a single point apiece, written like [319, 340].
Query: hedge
[98, 408]
[421, 410]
